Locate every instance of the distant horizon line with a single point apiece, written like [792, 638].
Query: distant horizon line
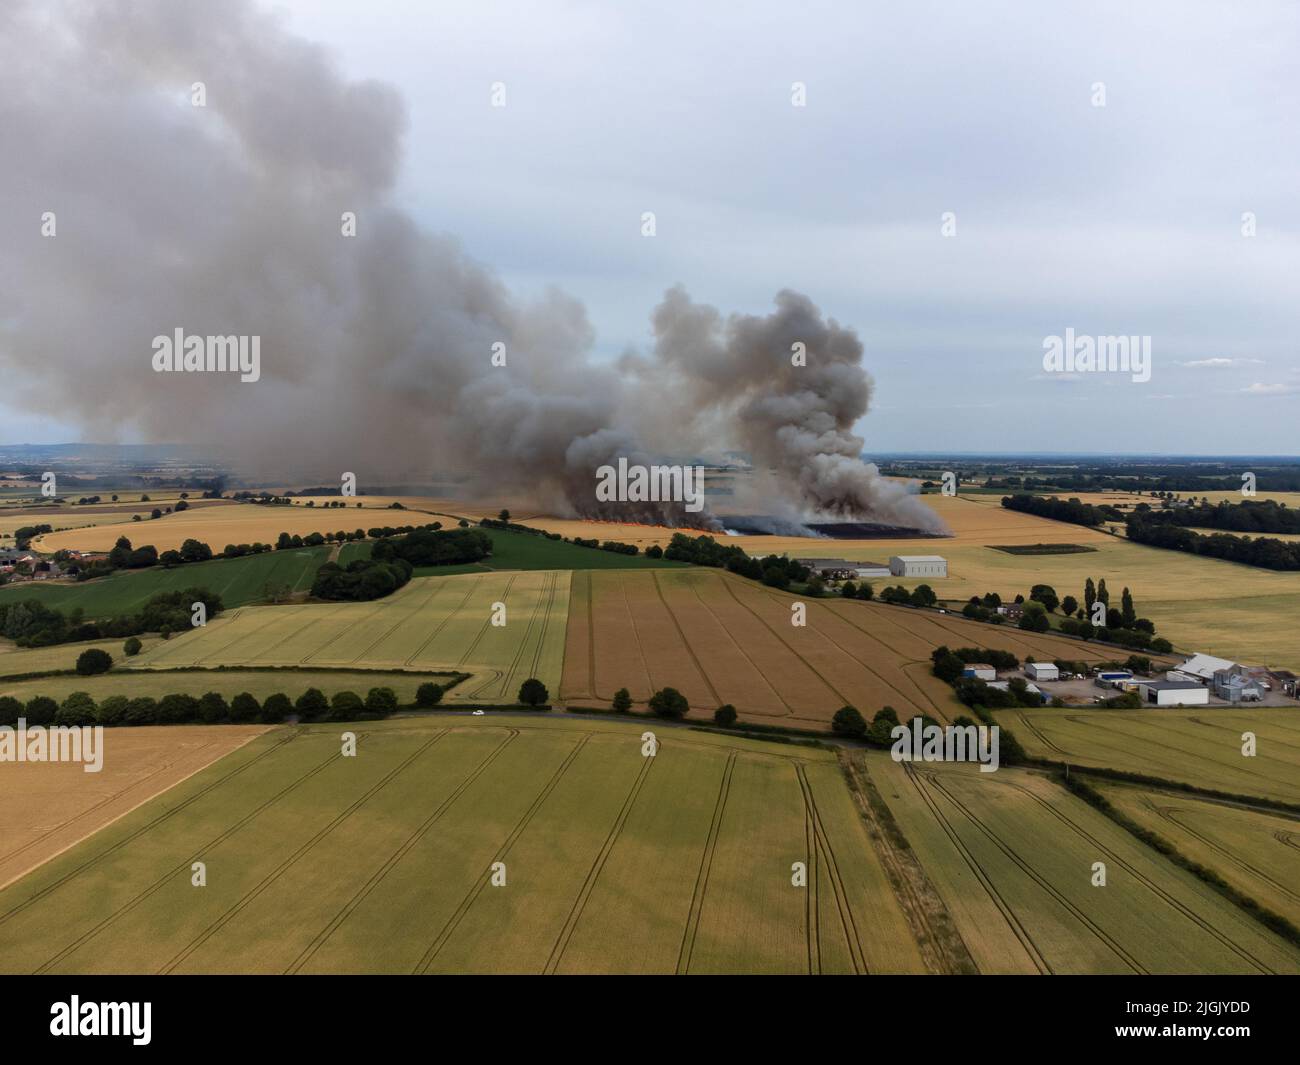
[867, 455]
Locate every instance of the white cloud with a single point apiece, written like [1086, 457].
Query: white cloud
[1260, 389]
[1221, 363]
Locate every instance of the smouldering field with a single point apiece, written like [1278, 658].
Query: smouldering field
[433, 623]
[1011, 854]
[49, 806]
[1257, 852]
[1201, 747]
[382, 863]
[719, 638]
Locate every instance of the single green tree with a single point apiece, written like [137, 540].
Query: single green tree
[346, 706]
[41, 710]
[532, 692]
[1128, 615]
[92, 661]
[381, 701]
[669, 702]
[245, 707]
[848, 722]
[311, 704]
[213, 708]
[78, 709]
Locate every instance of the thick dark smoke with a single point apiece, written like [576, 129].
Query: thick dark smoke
[376, 349]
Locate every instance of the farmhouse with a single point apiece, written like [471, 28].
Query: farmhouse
[918, 566]
[1042, 671]
[980, 671]
[1174, 692]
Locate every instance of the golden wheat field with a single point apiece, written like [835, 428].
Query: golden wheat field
[1205, 747]
[1012, 855]
[1256, 851]
[50, 806]
[719, 638]
[614, 862]
[431, 624]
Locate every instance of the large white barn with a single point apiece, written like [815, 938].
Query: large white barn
[918, 566]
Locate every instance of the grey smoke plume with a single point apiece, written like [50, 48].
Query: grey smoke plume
[376, 349]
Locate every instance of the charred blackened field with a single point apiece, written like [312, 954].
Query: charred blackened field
[759, 525]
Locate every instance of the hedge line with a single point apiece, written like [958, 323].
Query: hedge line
[1274, 922]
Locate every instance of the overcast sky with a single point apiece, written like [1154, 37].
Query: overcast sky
[1121, 219]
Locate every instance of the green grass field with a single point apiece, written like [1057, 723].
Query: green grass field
[443, 624]
[261, 683]
[382, 863]
[522, 551]
[237, 580]
[1256, 852]
[1200, 747]
[1011, 853]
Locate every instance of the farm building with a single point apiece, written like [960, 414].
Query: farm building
[843, 569]
[980, 671]
[1203, 667]
[1237, 685]
[1012, 611]
[1288, 681]
[1033, 689]
[1114, 678]
[1042, 671]
[1174, 692]
[918, 566]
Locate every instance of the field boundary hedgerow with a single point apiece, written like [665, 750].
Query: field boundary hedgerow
[1274, 922]
[1147, 881]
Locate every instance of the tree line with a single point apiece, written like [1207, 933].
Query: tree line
[30, 623]
[1070, 510]
[1263, 551]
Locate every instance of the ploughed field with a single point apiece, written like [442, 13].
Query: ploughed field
[719, 638]
[384, 862]
[1202, 747]
[1012, 856]
[430, 624]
